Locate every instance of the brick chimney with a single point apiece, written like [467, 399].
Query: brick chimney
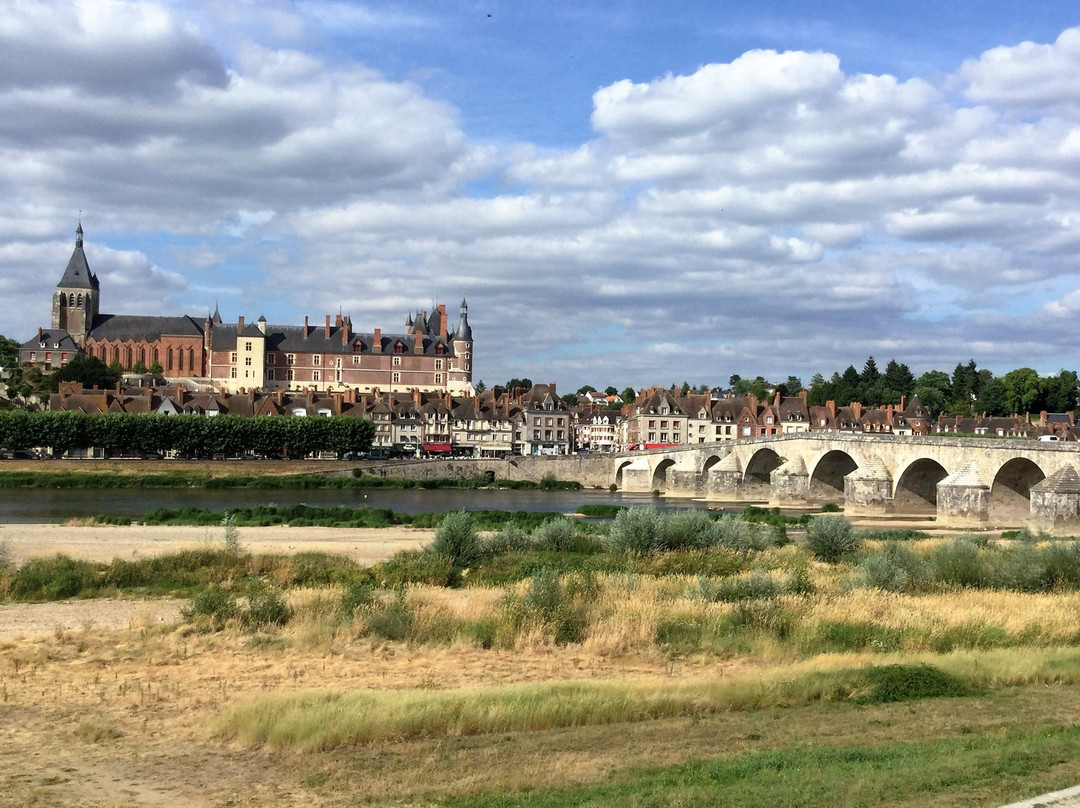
[416, 397]
[830, 405]
[240, 324]
[345, 328]
[306, 328]
[327, 333]
[376, 341]
[752, 404]
[418, 343]
[337, 321]
[279, 396]
[40, 334]
[443, 325]
[856, 407]
[903, 404]
[776, 400]
[350, 395]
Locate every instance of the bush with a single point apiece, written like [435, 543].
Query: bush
[830, 538]
[390, 621]
[357, 593]
[894, 569]
[958, 564]
[757, 585]
[215, 605]
[636, 530]
[54, 578]
[7, 556]
[417, 567]
[456, 539]
[1062, 565]
[266, 606]
[558, 534]
[510, 538]
[559, 607]
[687, 530]
[892, 683]
[739, 534]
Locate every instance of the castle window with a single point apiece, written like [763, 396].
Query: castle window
[270, 358]
[356, 360]
[397, 361]
[80, 301]
[247, 346]
[438, 363]
[316, 359]
[232, 373]
[290, 359]
[130, 357]
[157, 357]
[396, 377]
[357, 346]
[399, 347]
[270, 374]
[169, 355]
[290, 375]
[232, 357]
[440, 349]
[191, 358]
[316, 376]
[438, 378]
[247, 361]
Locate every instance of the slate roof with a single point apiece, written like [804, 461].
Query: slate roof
[137, 327]
[292, 338]
[78, 274]
[51, 337]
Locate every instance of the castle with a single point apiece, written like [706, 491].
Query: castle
[426, 356]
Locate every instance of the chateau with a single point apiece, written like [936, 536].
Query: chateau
[326, 357]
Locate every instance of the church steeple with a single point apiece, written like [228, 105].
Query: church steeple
[75, 301]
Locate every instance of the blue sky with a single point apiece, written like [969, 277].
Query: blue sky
[630, 194]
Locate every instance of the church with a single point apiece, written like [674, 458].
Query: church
[426, 355]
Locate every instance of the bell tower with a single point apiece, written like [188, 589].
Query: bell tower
[75, 301]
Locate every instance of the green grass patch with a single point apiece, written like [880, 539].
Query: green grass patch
[1010, 764]
[334, 719]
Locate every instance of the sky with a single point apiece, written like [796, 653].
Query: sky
[628, 193]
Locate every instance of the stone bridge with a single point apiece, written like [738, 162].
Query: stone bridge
[960, 480]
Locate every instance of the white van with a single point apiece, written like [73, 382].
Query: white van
[1049, 438]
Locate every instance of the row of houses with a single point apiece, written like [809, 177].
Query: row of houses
[495, 423]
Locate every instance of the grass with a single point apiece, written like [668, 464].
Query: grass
[339, 719]
[806, 776]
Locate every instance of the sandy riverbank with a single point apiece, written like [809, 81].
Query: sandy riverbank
[106, 542]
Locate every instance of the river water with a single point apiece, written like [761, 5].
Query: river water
[33, 505]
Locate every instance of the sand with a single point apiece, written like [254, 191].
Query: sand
[106, 542]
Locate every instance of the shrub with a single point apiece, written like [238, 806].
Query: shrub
[53, 578]
[390, 621]
[894, 569]
[7, 556]
[215, 605]
[636, 530]
[958, 563]
[510, 538]
[739, 534]
[357, 593]
[891, 683]
[230, 532]
[456, 539]
[830, 538]
[688, 529]
[763, 616]
[733, 589]
[1062, 565]
[266, 606]
[417, 567]
[559, 607]
[558, 534]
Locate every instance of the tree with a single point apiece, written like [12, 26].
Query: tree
[156, 369]
[522, 384]
[685, 389]
[897, 381]
[1060, 391]
[138, 367]
[9, 353]
[480, 387]
[611, 391]
[993, 399]
[570, 399]
[966, 385]
[89, 371]
[734, 379]
[934, 390]
[870, 386]
[820, 391]
[791, 387]
[1023, 391]
[846, 387]
[628, 395]
[586, 388]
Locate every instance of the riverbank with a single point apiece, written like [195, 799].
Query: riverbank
[105, 542]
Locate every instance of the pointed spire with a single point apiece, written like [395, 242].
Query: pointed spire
[79, 233]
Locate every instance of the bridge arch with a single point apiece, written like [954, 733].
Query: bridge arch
[916, 490]
[1010, 492]
[660, 474]
[827, 479]
[619, 473]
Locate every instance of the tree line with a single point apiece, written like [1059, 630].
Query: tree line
[194, 435]
[967, 391]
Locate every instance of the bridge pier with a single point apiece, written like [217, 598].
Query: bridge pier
[868, 489]
[789, 484]
[725, 480]
[963, 497]
[1056, 499]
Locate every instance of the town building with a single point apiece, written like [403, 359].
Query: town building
[427, 355]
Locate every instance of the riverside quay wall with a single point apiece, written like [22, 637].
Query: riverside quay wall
[592, 471]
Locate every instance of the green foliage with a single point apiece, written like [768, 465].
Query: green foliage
[557, 606]
[53, 578]
[456, 538]
[830, 538]
[562, 535]
[894, 569]
[892, 683]
[417, 567]
[214, 605]
[958, 563]
[600, 511]
[266, 606]
[636, 530]
[230, 533]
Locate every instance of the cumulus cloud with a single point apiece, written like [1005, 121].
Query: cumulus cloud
[771, 214]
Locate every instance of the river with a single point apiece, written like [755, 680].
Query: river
[34, 505]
